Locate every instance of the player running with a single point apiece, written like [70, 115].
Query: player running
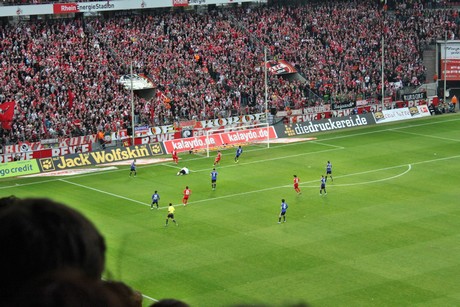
[296, 184]
[283, 211]
[329, 170]
[171, 211]
[218, 157]
[187, 193]
[238, 153]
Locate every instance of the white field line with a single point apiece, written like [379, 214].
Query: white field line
[200, 157]
[104, 192]
[311, 181]
[425, 135]
[409, 168]
[275, 187]
[143, 295]
[150, 298]
[277, 158]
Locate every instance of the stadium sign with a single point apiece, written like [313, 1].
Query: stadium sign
[66, 8]
[180, 3]
[387, 116]
[18, 168]
[99, 157]
[205, 124]
[233, 120]
[330, 124]
[220, 139]
[415, 96]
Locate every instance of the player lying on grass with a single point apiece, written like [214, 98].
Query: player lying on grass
[183, 171]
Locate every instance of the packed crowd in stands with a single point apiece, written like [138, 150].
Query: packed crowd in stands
[63, 73]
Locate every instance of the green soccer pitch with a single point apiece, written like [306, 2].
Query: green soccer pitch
[386, 234]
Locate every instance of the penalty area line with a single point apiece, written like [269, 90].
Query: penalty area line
[103, 192]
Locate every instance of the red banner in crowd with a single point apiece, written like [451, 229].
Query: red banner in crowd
[280, 67]
[6, 114]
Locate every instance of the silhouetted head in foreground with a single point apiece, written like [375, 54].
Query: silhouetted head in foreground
[39, 236]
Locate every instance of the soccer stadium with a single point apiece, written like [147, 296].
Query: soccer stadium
[229, 153]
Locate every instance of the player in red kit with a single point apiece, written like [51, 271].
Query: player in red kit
[296, 184]
[174, 156]
[187, 193]
[218, 157]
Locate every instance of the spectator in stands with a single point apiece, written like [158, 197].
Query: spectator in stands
[454, 102]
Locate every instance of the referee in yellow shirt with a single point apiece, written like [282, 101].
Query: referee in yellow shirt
[171, 211]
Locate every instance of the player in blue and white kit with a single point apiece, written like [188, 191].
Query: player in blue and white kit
[239, 151]
[284, 208]
[133, 168]
[329, 170]
[213, 178]
[323, 186]
[155, 200]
